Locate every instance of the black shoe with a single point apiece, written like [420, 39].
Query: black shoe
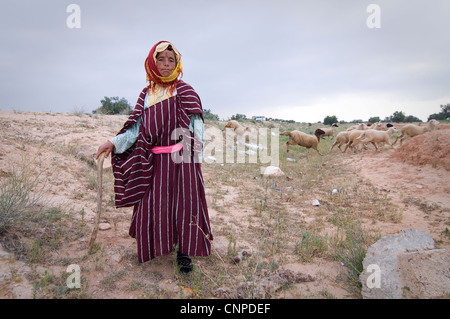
[184, 262]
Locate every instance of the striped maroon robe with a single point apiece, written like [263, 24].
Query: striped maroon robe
[168, 195]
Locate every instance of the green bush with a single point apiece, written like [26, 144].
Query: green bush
[114, 105]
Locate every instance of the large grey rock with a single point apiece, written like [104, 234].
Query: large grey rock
[406, 265]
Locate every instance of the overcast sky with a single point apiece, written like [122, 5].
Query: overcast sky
[300, 60]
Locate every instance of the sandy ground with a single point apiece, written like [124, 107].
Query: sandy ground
[417, 188]
[54, 143]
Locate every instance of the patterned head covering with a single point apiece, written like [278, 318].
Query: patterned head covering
[153, 74]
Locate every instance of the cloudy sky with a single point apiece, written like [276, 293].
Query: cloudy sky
[298, 59]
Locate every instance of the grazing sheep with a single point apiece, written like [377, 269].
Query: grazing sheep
[237, 128]
[411, 130]
[303, 139]
[376, 136]
[341, 139]
[329, 131]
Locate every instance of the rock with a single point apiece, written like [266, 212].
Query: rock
[220, 244]
[271, 171]
[405, 265]
[242, 254]
[104, 226]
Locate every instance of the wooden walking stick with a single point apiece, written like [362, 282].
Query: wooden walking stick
[99, 199]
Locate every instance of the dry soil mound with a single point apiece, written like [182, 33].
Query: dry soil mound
[429, 148]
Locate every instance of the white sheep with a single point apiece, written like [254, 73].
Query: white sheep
[329, 131]
[303, 139]
[352, 136]
[376, 136]
[381, 126]
[360, 127]
[341, 139]
[411, 130]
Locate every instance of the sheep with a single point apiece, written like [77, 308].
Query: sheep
[376, 136]
[303, 139]
[341, 139]
[352, 135]
[237, 128]
[329, 131]
[411, 130]
[381, 126]
[360, 127]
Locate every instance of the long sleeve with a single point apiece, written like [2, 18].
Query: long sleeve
[124, 141]
[197, 127]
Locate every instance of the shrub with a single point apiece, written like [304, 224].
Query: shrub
[17, 198]
[330, 120]
[114, 105]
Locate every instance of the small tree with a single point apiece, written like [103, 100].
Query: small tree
[208, 115]
[397, 117]
[443, 115]
[374, 119]
[330, 120]
[114, 105]
[412, 118]
[239, 117]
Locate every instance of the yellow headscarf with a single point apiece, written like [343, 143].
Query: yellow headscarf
[153, 74]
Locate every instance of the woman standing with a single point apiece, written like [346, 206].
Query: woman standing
[156, 160]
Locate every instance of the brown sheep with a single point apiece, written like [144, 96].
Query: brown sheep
[329, 131]
[303, 139]
[341, 139]
[237, 128]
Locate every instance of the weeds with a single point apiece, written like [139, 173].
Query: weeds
[349, 247]
[19, 198]
[311, 245]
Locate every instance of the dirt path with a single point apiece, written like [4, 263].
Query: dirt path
[423, 190]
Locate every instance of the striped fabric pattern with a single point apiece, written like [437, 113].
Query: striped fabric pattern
[167, 195]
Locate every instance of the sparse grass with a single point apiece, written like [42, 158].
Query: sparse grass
[30, 226]
[19, 197]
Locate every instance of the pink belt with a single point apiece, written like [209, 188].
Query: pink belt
[167, 149]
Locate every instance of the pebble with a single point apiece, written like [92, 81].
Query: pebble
[104, 226]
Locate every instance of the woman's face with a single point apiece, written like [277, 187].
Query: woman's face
[166, 62]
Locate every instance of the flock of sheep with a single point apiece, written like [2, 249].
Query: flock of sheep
[360, 134]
